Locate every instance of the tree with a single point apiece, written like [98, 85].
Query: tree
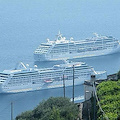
[55, 114]
[109, 96]
[55, 108]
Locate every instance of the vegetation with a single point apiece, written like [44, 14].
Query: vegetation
[109, 97]
[58, 108]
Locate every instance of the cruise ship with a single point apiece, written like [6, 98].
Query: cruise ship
[61, 48]
[23, 78]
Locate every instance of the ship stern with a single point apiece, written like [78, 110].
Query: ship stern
[101, 75]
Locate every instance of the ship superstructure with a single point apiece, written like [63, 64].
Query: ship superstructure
[23, 78]
[61, 48]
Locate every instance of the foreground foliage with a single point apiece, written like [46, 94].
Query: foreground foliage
[58, 108]
[109, 96]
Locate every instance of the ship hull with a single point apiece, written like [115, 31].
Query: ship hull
[48, 57]
[101, 75]
[42, 86]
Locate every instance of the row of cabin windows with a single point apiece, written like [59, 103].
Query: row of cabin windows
[83, 49]
[25, 77]
[50, 74]
[86, 44]
[68, 70]
[68, 75]
[39, 80]
[18, 82]
[74, 48]
[59, 74]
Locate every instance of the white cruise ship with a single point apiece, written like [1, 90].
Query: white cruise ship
[23, 78]
[61, 48]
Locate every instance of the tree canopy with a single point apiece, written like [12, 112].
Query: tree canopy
[55, 108]
[109, 96]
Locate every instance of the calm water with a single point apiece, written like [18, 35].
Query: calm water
[25, 24]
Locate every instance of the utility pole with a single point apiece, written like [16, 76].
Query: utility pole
[64, 85]
[73, 83]
[11, 110]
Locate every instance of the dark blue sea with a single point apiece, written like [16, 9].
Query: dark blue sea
[24, 24]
